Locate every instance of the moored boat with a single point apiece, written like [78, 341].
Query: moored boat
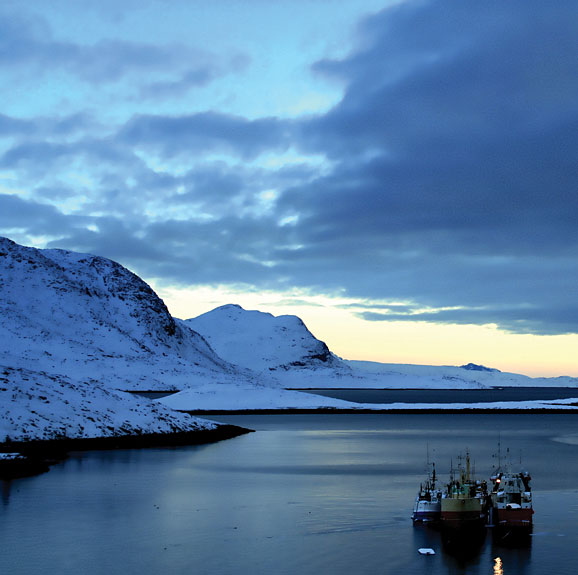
[511, 503]
[427, 506]
[464, 504]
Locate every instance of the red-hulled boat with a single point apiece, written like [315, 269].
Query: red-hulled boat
[511, 503]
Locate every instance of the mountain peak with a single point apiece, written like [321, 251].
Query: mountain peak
[230, 306]
[476, 367]
[260, 340]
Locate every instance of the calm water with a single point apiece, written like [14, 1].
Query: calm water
[448, 395]
[319, 494]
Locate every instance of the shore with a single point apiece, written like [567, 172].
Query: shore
[25, 458]
[395, 410]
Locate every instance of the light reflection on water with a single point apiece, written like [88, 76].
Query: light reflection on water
[303, 495]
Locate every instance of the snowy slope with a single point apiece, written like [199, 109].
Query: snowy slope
[37, 405]
[261, 341]
[88, 317]
[255, 398]
[373, 375]
[447, 377]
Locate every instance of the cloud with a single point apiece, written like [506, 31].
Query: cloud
[55, 127]
[454, 148]
[14, 126]
[445, 179]
[555, 320]
[43, 159]
[206, 133]
[115, 238]
[27, 44]
[30, 218]
[186, 252]
[193, 78]
[201, 75]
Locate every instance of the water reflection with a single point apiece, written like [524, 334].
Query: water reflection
[463, 544]
[6, 488]
[468, 554]
[473, 553]
[511, 559]
[515, 539]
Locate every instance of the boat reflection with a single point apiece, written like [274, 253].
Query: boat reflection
[512, 538]
[463, 544]
[466, 548]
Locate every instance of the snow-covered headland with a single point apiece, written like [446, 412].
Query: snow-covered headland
[78, 332]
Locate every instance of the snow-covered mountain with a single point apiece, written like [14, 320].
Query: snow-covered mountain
[76, 328]
[90, 318]
[261, 341]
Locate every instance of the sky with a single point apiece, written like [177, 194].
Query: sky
[403, 175]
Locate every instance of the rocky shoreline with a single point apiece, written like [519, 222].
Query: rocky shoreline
[26, 458]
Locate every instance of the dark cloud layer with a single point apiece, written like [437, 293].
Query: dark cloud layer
[206, 133]
[457, 147]
[449, 187]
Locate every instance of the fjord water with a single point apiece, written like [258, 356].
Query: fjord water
[304, 494]
[448, 395]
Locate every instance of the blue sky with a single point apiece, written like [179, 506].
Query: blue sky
[408, 164]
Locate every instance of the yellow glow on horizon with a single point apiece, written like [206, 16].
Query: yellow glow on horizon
[351, 337]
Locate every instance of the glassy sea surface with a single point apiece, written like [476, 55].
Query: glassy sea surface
[448, 395]
[304, 494]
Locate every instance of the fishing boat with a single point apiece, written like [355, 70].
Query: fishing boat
[427, 506]
[511, 503]
[464, 504]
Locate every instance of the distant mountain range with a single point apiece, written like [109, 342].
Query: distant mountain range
[77, 331]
